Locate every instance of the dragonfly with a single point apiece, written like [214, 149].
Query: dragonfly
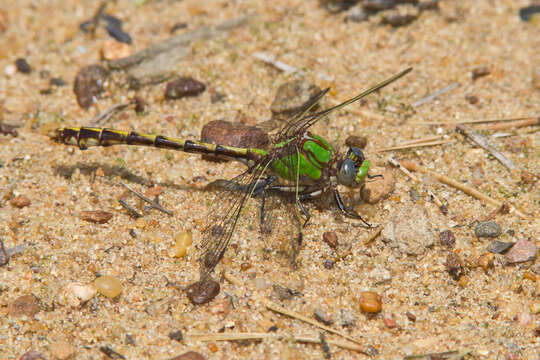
[297, 167]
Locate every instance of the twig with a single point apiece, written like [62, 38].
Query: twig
[287, 69]
[513, 124]
[152, 203]
[412, 166]
[410, 146]
[131, 210]
[94, 22]
[423, 140]
[484, 143]
[275, 307]
[260, 336]
[434, 197]
[106, 114]
[435, 95]
[465, 121]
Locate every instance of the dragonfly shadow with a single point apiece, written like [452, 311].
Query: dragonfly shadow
[108, 170]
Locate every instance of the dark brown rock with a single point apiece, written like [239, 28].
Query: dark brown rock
[331, 239]
[454, 265]
[89, 84]
[23, 66]
[234, 134]
[203, 291]
[183, 87]
[356, 141]
[447, 238]
[479, 72]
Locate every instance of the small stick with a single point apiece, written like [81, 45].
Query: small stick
[426, 139]
[275, 307]
[478, 121]
[97, 17]
[412, 166]
[131, 210]
[435, 198]
[106, 114]
[484, 143]
[287, 69]
[152, 203]
[513, 124]
[232, 279]
[435, 95]
[402, 147]
[260, 336]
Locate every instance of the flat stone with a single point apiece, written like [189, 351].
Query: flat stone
[323, 317]
[522, 251]
[202, 292]
[24, 305]
[409, 230]
[499, 247]
[234, 134]
[292, 96]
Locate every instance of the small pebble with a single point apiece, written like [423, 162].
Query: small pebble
[479, 72]
[447, 238]
[389, 323]
[379, 188]
[485, 261]
[331, 239]
[528, 177]
[141, 105]
[347, 318]
[487, 229]
[108, 286]
[28, 305]
[130, 340]
[284, 293]
[335, 6]
[183, 242]
[22, 66]
[10, 70]
[77, 294]
[56, 81]
[245, 266]
[20, 201]
[471, 99]
[97, 216]
[176, 335]
[522, 251]
[204, 291]
[410, 316]
[89, 83]
[499, 247]
[370, 350]
[356, 141]
[190, 355]
[370, 302]
[113, 26]
[328, 264]
[61, 350]
[113, 50]
[4, 256]
[182, 87]
[33, 355]
[323, 317]
[293, 96]
[454, 265]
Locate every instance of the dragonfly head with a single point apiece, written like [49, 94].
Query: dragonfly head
[354, 168]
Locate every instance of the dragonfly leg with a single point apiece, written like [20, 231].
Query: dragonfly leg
[374, 176]
[304, 211]
[347, 212]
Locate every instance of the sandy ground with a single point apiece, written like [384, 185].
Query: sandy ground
[493, 312]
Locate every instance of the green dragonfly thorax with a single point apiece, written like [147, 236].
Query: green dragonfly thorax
[310, 159]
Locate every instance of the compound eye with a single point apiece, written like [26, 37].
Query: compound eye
[347, 173]
[356, 154]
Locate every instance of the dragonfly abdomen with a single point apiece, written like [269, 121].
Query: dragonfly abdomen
[85, 137]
